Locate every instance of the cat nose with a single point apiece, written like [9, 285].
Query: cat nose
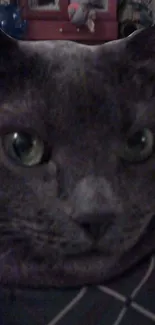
[92, 202]
[94, 224]
[91, 229]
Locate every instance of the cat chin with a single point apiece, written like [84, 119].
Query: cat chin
[92, 268]
[84, 270]
[71, 272]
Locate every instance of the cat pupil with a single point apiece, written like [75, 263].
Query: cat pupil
[138, 140]
[22, 144]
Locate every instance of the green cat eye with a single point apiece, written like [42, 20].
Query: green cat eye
[139, 146]
[25, 149]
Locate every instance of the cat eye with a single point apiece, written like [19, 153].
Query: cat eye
[139, 146]
[23, 148]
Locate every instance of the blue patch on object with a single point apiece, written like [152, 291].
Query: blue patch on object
[11, 21]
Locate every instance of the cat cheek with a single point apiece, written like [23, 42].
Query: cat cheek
[51, 171]
[45, 191]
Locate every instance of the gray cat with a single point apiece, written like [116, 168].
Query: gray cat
[77, 159]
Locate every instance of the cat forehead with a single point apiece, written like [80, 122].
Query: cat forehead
[48, 63]
[64, 56]
[71, 75]
[65, 72]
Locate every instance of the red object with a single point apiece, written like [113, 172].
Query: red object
[74, 5]
[54, 24]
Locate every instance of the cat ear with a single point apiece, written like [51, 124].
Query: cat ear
[6, 41]
[141, 44]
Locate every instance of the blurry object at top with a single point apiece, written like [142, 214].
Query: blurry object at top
[11, 21]
[133, 15]
[44, 4]
[83, 12]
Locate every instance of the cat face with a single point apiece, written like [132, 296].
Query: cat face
[77, 128]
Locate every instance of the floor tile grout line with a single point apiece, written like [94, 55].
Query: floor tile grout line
[112, 293]
[143, 310]
[120, 316]
[67, 308]
[145, 278]
[116, 295]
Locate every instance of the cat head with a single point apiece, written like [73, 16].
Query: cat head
[77, 157]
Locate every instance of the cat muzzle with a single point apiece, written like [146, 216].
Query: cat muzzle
[94, 207]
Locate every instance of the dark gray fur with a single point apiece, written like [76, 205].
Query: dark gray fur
[82, 101]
